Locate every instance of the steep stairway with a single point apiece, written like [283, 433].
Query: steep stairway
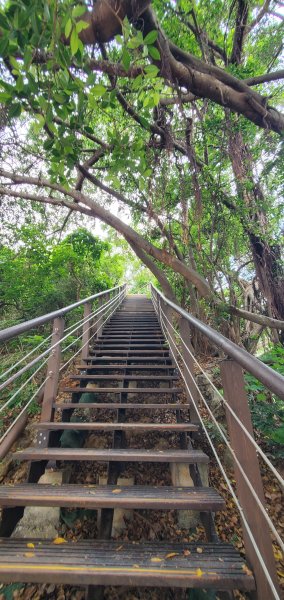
[132, 369]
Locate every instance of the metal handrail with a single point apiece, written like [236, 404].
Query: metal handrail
[270, 378]
[11, 332]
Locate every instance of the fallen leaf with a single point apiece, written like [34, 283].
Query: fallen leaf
[119, 548]
[199, 573]
[246, 570]
[155, 559]
[30, 545]
[29, 554]
[186, 552]
[116, 491]
[59, 540]
[171, 554]
[136, 566]
[199, 550]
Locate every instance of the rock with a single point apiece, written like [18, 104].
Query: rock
[187, 519]
[211, 396]
[41, 522]
[120, 515]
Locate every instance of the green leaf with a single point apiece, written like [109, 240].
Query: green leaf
[151, 71]
[4, 23]
[156, 98]
[14, 63]
[98, 90]
[14, 110]
[68, 28]
[80, 25]
[46, 11]
[135, 41]
[39, 124]
[154, 52]
[126, 59]
[278, 435]
[144, 122]
[5, 97]
[28, 54]
[4, 46]
[74, 41]
[78, 11]
[150, 37]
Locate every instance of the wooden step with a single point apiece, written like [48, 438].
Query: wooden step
[97, 426]
[113, 496]
[119, 390]
[132, 328]
[132, 359]
[119, 405]
[97, 562]
[135, 338]
[125, 377]
[107, 352]
[126, 367]
[107, 455]
[129, 346]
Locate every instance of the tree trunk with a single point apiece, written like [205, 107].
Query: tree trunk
[266, 254]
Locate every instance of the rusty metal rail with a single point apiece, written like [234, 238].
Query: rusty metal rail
[244, 449]
[108, 302]
[12, 332]
[270, 378]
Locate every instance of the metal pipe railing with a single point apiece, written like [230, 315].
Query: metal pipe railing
[108, 304]
[239, 438]
[15, 330]
[270, 378]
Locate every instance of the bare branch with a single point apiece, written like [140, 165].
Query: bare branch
[255, 318]
[265, 77]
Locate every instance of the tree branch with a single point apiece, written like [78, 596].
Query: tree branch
[239, 35]
[107, 217]
[255, 318]
[265, 77]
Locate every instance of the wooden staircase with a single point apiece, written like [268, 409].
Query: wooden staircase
[130, 350]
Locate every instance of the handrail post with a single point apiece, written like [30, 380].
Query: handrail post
[169, 326]
[235, 395]
[159, 309]
[108, 309]
[86, 330]
[100, 318]
[53, 366]
[188, 372]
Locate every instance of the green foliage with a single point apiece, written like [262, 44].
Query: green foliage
[268, 410]
[38, 276]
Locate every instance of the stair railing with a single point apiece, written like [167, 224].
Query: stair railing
[249, 494]
[98, 309]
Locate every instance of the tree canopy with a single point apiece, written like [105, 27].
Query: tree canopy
[163, 120]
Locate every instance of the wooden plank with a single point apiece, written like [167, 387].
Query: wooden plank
[97, 426]
[109, 352]
[136, 338]
[126, 367]
[95, 562]
[235, 394]
[118, 405]
[132, 359]
[128, 346]
[86, 330]
[53, 365]
[106, 455]
[124, 377]
[119, 390]
[111, 496]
